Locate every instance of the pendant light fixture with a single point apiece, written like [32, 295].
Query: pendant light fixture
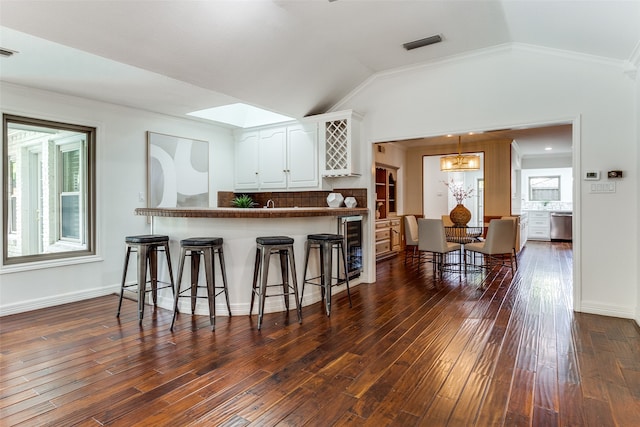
[460, 163]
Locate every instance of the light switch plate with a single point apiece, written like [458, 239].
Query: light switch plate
[604, 187]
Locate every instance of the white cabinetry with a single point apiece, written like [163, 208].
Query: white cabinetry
[539, 225]
[524, 230]
[277, 158]
[246, 161]
[302, 156]
[339, 135]
[272, 158]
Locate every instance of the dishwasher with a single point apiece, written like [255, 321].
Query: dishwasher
[561, 227]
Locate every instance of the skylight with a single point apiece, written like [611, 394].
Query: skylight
[240, 115]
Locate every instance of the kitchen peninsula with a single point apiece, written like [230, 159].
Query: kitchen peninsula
[239, 228]
[294, 212]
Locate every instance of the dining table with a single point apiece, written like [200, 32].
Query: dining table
[463, 235]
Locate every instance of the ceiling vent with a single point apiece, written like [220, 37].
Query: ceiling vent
[423, 42]
[6, 52]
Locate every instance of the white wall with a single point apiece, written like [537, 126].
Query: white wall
[121, 170]
[525, 86]
[552, 161]
[637, 80]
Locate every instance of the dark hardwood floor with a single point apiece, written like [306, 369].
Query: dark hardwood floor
[490, 350]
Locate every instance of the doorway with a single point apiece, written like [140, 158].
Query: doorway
[437, 196]
[531, 137]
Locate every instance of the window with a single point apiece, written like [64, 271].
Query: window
[70, 207]
[544, 188]
[13, 207]
[50, 176]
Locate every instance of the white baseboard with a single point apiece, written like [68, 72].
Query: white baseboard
[593, 307]
[166, 302]
[54, 300]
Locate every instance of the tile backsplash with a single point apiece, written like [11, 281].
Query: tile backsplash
[547, 206]
[290, 199]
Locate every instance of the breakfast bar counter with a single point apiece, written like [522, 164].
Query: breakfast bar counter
[249, 212]
[239, 228]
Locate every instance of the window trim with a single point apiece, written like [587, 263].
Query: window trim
[12, 200]
[62, 148]
[90, 226]
[558, 188]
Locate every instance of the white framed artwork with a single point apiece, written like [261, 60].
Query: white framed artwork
[177, 172]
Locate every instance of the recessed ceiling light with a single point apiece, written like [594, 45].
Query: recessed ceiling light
[241, 115]
[548, 148]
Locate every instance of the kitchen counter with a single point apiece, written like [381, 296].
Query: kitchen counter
[249, 212]
[239, 229]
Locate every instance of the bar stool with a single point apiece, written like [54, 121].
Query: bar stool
[147, 247]
[283, 246]
[325, 243]
[207, 247]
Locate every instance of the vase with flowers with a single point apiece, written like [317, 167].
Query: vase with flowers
[459, 215]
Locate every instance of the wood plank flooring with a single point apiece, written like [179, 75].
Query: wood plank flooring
[488, 350]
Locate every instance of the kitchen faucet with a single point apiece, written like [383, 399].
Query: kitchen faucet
[273, 205]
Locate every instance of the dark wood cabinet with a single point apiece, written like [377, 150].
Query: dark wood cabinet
[388, 224]
[386, 192]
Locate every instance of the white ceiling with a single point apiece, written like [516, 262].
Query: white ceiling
[294, 57]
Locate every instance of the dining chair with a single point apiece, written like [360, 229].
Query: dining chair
[411, 238]
[446, 220]
[499, 243]
[515, 237]
[432, 239]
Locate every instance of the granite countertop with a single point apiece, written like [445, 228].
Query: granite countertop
[249, 212]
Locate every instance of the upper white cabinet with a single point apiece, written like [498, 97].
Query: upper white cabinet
[302, 156]
[277, 157]
[339, 134]
[272, 154]
[246, 161]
